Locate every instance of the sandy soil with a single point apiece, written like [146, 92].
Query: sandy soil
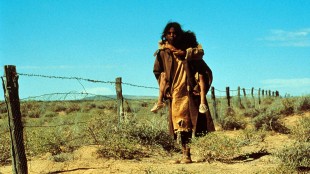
[86, 161]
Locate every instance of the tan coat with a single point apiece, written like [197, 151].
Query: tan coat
[165, 62]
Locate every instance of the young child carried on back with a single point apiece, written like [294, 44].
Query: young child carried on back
[198, 72]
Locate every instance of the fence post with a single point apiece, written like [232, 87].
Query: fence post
[119, 95]
[238, 96]
[252, 94]
[228, 96]
[10, 86]
[277, 93]
[259, 96]
[214, 102]
[244, 93]
[263, 93]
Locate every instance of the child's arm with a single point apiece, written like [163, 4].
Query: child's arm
[194, 53]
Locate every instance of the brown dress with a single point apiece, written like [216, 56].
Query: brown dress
[180, 100]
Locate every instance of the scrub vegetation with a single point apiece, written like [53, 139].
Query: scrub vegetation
[59, 128]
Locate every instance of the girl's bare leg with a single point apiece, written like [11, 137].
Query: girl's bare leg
[202, 84]
[162, 84]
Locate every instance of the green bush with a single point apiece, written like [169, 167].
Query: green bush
[59, 107]
[251, 112]
[148, 134]
[73, 107]
[230, 120]
[302, 104]
[287, 106]
[295, 156]
[213, 147]
[54, 140]
[269, 120]
[250, 136]
[302, 130]
[3, 108]
[50, 114]
[120, 147]
[5, 146]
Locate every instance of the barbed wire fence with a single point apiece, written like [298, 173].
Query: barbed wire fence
[85, 110]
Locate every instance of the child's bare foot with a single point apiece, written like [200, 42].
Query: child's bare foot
[203, 108]
[157, 107]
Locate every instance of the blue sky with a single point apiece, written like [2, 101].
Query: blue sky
[252, 43]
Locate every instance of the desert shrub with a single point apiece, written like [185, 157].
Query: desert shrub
[33, 113]
[230, 121]
[87, 106]
[62, 157]
[129, 139]
[301, 131]
[59, 107]
[54, 140]
[30, 109]
[50, 114]
[213, 147]
[287, 106]
[120, 147]
[73, 107]
[114, 140]
[295, 156]
[302, 104]
[281, 106]
[269, 120]
[250, 136]
[150, 134]
[101, 106]
[3, 108]
[251, 112]
[266, 101]
[5, 148]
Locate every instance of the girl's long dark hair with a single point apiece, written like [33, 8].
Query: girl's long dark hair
[177, 28]
[186, 39]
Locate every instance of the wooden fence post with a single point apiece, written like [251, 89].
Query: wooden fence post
[119, 95]
[214, 102]
[277, 93]
[238, 96]
[244, 93]
[19, 160]
[252, 94]
[228, 96]
[263, 93]
[259, 96]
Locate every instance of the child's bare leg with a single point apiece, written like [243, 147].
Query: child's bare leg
[162, 84]
[202, 84]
